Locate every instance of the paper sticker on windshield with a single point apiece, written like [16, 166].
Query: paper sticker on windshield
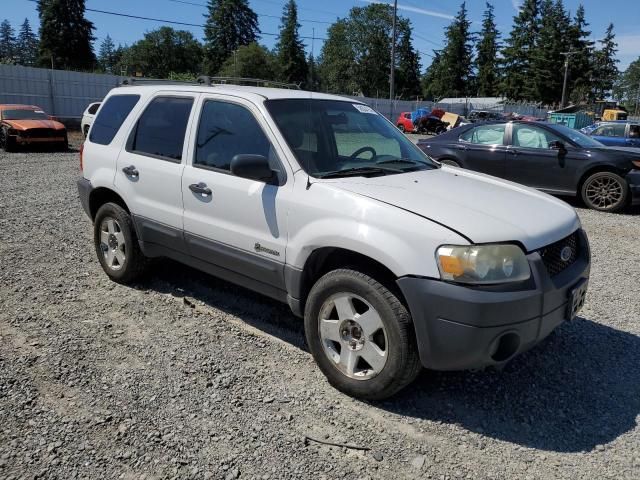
[364, 108]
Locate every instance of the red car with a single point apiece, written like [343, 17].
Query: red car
[28, 124]
[404, 122]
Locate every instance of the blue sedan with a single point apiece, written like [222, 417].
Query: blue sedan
[616, 134]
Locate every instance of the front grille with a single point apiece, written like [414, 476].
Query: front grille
[39, 133]
[551, 254]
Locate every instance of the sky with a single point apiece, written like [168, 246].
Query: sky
[429, 19]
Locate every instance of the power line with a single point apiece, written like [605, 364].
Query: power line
[195, 4]
[172, 22]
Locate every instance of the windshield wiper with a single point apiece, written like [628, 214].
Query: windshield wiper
[359, 171]
[413, 163]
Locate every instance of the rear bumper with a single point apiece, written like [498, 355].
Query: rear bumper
[84, 191]
[459, 328]
[633, 179]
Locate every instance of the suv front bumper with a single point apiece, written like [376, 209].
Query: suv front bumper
[460, 327]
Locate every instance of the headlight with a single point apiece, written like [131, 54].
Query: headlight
[482, 264]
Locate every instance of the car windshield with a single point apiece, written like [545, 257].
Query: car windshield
[575, 136]
[24, 114]
[332, 138]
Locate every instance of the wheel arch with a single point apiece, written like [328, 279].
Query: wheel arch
[325, 259]
[596, 169]
[101, 195]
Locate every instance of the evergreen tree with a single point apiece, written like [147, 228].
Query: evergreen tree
[518, 82]
[605, 65]
[487, 59]
[313, 81]
[407, 64]
[548, 58]
[8, 45]
[336, 64]
[581, 61]
[627, 88]
[107, 55]
[290, 49]
[432, 88]
[455, 71]
[27, 45]
[65, 35]
[230, 24]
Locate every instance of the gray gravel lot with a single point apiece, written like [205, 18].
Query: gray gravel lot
[186, 376]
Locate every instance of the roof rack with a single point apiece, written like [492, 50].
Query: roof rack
[211, 81]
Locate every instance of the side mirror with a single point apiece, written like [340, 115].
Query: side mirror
[557, 145]
[253, 167]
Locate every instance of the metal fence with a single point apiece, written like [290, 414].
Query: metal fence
[66, 94]
[60, 93]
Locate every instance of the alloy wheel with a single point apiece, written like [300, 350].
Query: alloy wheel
[604, 192]
[112, 243]
[353, 336]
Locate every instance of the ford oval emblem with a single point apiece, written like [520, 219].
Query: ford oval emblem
[565, 254]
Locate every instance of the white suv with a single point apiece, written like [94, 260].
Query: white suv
[394, 261]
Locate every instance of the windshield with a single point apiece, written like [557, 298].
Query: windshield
[575, 136]
[339, 138]
[24, 114]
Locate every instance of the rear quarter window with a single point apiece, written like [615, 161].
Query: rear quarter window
[94, 108]
[111, 117]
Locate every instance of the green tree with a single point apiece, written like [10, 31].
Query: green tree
[230, 24]
[517, 55]
[407, 64]
[455, 69]
[605, 69]
[336, 63]
[107, 57]
[581, 62]
[162, 52]
[627, 88]
[487, 56]
[251, 61]
[290, 49]
[548, 58]
[27, 51]
[65, 35]
[8, 45]
[432, 87]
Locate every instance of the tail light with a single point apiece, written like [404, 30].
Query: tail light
[81, 157]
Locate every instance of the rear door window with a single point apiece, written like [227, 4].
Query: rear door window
[485, 135]
[161, 129]
[116, 109]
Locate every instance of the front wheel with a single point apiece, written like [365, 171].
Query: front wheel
[116, 244]
[401, 127]
[7, 143]
[360, 335]
[605, 191]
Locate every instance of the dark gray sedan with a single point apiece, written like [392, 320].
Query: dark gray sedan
[553, 158]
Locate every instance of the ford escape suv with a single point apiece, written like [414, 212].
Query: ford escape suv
[394, 261]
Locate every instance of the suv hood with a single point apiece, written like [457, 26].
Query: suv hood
[27, 124]
[481, 208]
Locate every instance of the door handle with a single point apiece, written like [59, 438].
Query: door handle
[462, 147]
[130, 171]
[513, 152]
[200, 188]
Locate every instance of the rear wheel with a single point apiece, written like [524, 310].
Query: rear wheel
[116, 244]
[605, 191]
[360, 335]
[451, 163]
[85, 131]
[401, 127]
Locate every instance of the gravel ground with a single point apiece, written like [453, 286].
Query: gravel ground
[186, 376]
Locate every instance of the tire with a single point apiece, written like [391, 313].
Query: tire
[440, 130]
[117, 245]
[8, 144]
[605, 191]
[451, 163]
[339, 344]
[401, 128]
[85, 131]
